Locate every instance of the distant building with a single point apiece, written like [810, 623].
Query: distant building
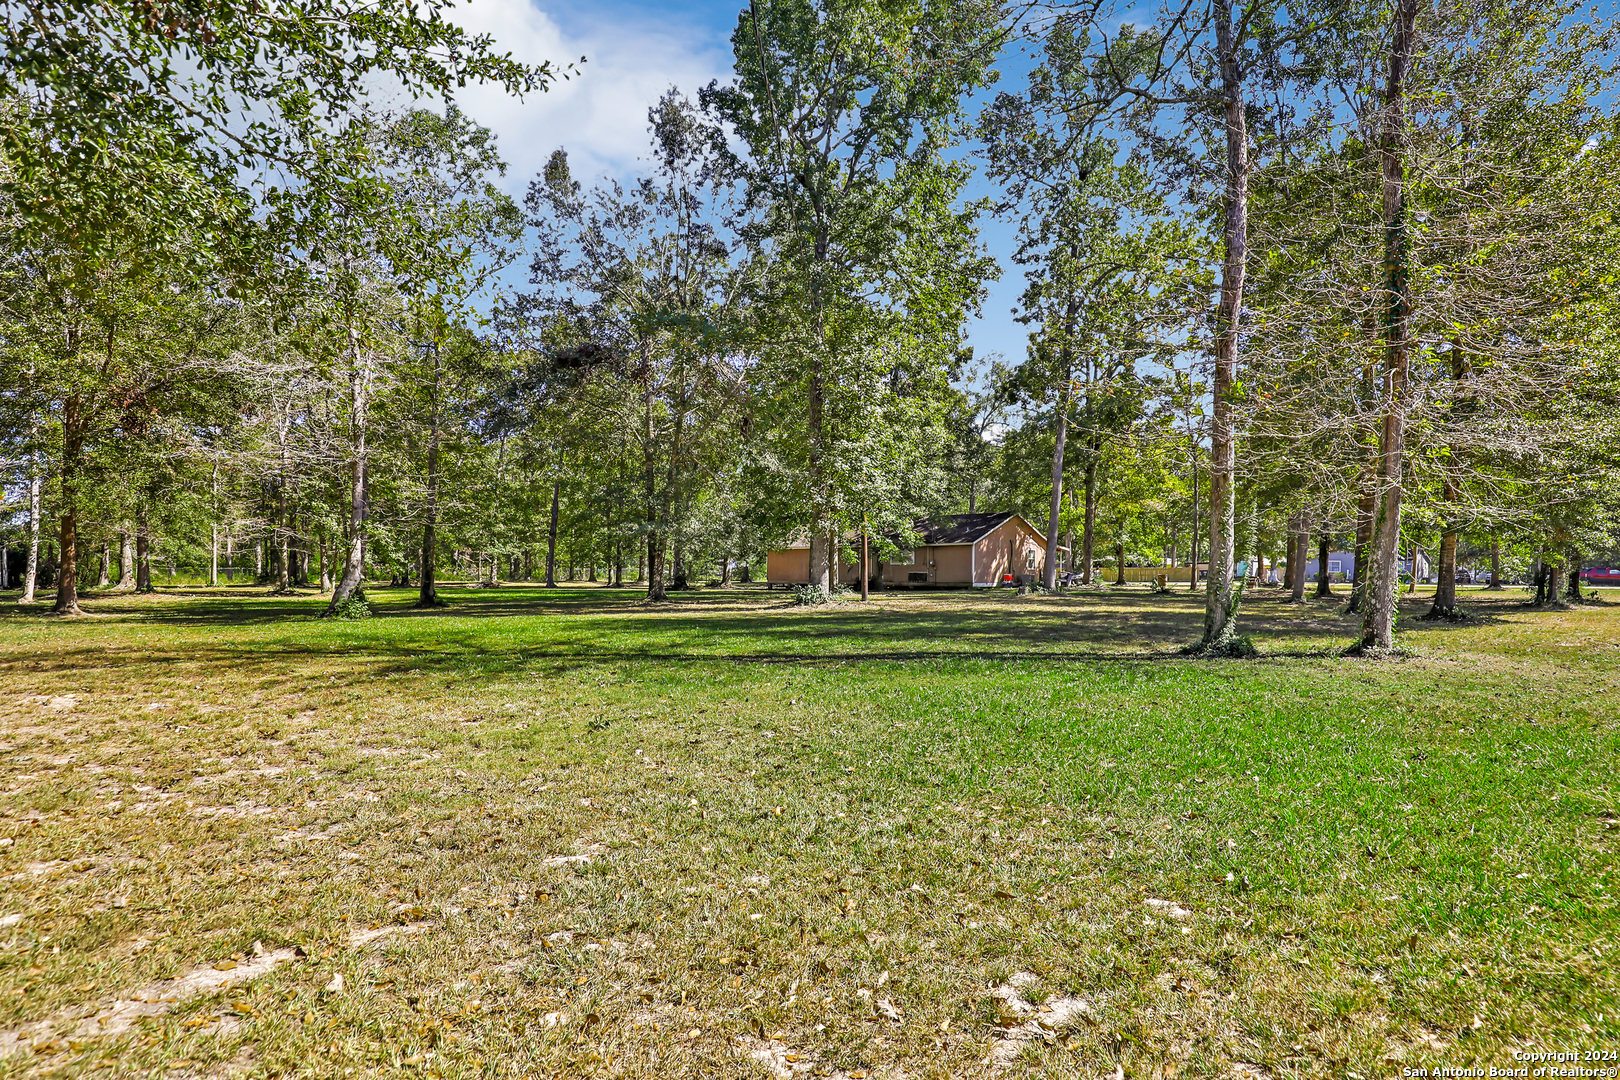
[962, 550]
[1341, 566]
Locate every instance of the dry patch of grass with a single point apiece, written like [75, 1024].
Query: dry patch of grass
[733, 838]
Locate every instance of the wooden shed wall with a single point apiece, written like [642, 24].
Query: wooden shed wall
[1000, 552]
[1003, 551]
[788, 566]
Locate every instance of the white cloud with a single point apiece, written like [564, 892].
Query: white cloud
[600, 114]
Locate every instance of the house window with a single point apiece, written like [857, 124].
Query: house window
[1029, 560]
[1335, 566]
[917, 576]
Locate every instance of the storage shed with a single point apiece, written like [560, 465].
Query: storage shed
[959, 551]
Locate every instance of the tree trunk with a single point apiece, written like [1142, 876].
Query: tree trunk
[143, 553]
[1049, 572]
[1378, 621]
[284, 547]
[1192, 533]
[354, 566]
[31, 574]
[1363, 542]
[822, 557]
[1573, 592]
[1324, 587]
[126, 557]
[104, 575]
[679, 582]
[1296, 558]
[1119, 561]
[1555, 580]
[67, 573]
[656, 510]
[1290, 544]
[1445, 593]
[427, 590]
[1496, 565]
[866, 566]
[1222, 594]
[1088, 528]
[213, 526]
[655, 567]
[551, 536]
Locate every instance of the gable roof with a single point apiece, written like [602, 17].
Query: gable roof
[959, 528]
[967, 529]
[944, 531]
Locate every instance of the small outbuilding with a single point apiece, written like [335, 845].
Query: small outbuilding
[958, 551]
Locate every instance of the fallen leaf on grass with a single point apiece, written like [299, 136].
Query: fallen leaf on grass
[336, 985]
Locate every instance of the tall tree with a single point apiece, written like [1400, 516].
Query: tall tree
[465, 231]
[1094, 244]
[642, 303]
[846, 108]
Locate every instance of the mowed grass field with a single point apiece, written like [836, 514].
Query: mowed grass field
[564, 833]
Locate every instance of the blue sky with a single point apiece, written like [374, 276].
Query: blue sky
[634, 52]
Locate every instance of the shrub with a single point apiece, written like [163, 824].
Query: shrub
[353, 607]
[810, 595]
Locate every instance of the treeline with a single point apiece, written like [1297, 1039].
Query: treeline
[1298, 279]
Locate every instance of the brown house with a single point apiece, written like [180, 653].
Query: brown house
[962, 550]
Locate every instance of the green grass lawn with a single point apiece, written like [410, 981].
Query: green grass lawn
[806, 842]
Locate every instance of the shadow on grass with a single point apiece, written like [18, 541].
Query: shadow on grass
[512, 630]
[1122, 616]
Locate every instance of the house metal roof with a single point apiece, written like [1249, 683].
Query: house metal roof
[944, 531]
[959, 528]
